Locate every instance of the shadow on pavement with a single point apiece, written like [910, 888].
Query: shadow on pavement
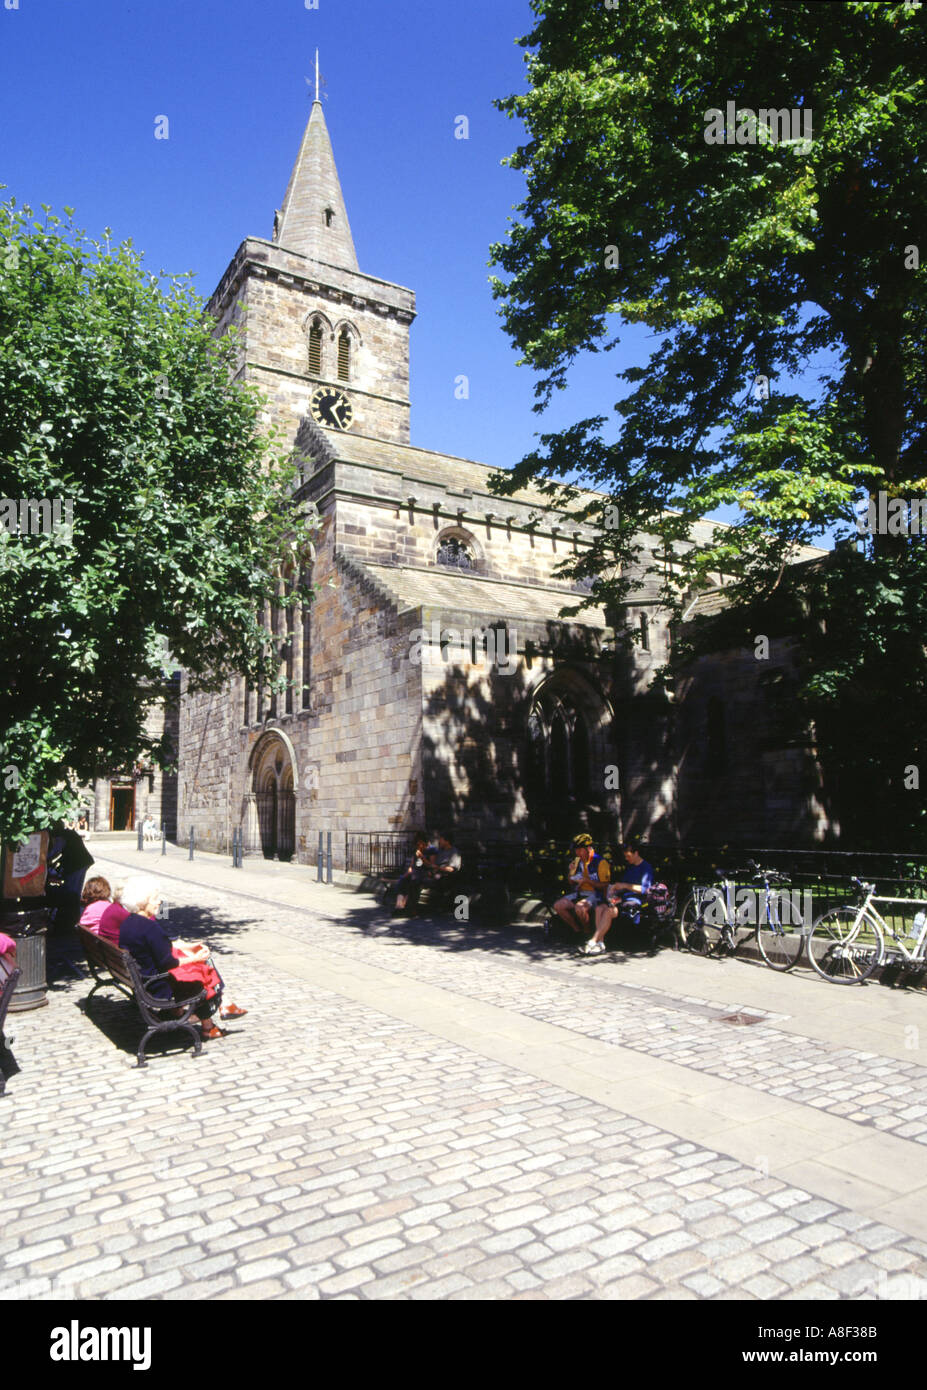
[516, 940]
[113, 1013]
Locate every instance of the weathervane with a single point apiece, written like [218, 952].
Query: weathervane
[318, 79]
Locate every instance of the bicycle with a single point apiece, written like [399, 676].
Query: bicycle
[847, 944]
[711, 919]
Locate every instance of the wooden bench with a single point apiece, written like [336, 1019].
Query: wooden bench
[112, 966]
[6, 994]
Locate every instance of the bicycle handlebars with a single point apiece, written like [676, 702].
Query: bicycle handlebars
[753, 871]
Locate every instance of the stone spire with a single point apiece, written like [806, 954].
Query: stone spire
[314, 220]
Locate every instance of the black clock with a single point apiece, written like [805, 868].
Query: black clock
[332, 408]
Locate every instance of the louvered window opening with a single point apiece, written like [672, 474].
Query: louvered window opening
[315, 350]
[344, 357]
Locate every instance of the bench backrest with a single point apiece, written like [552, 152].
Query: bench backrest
[106, 956]
[120, 965]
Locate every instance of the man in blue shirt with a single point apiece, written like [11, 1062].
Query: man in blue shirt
[625, 895]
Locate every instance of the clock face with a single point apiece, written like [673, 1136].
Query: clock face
[332, 408]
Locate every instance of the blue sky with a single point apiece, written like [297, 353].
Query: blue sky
[82, 81]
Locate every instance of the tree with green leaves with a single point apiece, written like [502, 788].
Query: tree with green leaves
[670, 183]
[143, 514]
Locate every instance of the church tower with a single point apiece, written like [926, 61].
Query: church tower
[321, 338]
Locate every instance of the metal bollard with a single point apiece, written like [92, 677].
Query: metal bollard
[164, 837]
[329, 856]
[234, 846]
[141, 845]
[191, 841]
[321, 870]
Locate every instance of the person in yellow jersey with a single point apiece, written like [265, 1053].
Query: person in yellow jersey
[588, 876]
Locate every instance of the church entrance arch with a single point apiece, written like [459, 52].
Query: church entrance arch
[273, 795]
[570, 742]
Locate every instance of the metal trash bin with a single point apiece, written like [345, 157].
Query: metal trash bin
[28, 929]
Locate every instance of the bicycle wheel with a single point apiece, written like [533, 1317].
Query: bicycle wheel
[780, 945]
[843, 951]
[701, 922]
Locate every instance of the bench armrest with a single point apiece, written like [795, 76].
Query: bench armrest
[156, 1003]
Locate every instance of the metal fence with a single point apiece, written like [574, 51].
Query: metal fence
[377, 853]
[826, 873]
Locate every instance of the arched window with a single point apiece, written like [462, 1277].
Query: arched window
[305, 585]
[274, 632]
[289, 589]
[315, 349]
[559, 753]
[645, 633]
[455, 551]
[344, 355]
[329, 216]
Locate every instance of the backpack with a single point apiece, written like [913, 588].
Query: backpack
[662, 900]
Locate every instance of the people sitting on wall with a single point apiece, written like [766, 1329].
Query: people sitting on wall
[444, 859]
[190, 967]
[440, 862]
[83, 826]
[589, 875]
[624, 897]
[149, 828]
[102, 914]
[414, 872]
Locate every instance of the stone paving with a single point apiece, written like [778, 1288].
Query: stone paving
[328, 1148]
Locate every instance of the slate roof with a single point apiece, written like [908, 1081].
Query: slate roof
[489, 599]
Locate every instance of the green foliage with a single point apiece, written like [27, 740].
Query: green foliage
[764, 259]
[775, 259]
[865, 691]
[118, 400]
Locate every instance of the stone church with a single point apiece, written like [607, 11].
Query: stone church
[431, 681]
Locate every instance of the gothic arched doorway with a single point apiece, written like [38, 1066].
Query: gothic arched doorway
[569, 746]
[274, 799]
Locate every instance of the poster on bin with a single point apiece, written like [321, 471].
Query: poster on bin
[24, 867]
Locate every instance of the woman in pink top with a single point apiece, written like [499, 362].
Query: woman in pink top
[101, 916]
[7, 958]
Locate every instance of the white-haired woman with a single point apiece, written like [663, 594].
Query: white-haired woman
[142, 935]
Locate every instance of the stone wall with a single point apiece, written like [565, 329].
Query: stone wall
[748, 774]
[280, 295]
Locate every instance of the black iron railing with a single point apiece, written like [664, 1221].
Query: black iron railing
[378, 853]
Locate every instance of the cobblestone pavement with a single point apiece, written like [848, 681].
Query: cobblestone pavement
[433, 1112]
